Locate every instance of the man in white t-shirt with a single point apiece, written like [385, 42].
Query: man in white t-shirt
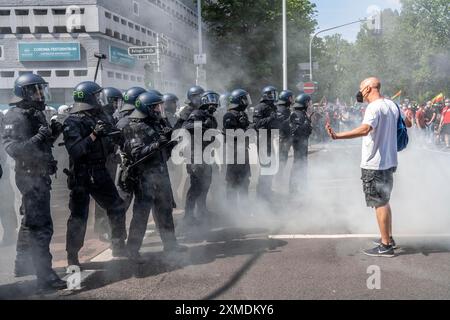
[379, 158]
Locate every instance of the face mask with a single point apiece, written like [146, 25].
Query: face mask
[360, 97]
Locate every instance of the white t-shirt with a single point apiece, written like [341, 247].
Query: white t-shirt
[379, 148]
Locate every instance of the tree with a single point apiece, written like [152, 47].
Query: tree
[245, 41]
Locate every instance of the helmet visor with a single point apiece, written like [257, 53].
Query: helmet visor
[37, 92]
[116, 103]
[247, 100]
[160, 109]
[211, 98]
[272, 95]
[101, 98]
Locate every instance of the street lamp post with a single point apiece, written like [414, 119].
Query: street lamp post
[285, 73]
[200, 35]
[316, 34]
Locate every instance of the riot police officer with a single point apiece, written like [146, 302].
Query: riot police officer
[129, 99]
[265, 118]
[88, 142]
[114, 102]
[284, 104]
[301, 130]
[29, 139]
[192, 103]
[200, 173]
[170, 106]
[238, 174]
[148, 141]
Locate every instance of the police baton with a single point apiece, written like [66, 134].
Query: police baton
[100, 57]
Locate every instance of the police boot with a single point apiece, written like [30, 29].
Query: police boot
[51, 282]
[135, 257]
[118, 249]
[24, 267]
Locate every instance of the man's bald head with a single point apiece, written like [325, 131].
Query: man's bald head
[371, 82]
[370, 89]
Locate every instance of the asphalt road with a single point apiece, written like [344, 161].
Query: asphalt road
[236, 258]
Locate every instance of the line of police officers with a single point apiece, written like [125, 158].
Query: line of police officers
[137, 125]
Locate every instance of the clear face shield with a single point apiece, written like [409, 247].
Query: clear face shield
[101, 98]
[116, 103]
[160, 110]
[272, 95]
[247, 100]
[37, 93]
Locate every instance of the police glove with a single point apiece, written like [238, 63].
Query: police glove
[44, 134]
[57, 128]
[167, 131]
[162, 140]
[100, 130]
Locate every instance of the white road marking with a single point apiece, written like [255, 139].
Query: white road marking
[352, 236]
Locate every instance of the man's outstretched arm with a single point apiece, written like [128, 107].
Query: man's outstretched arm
[359, 132]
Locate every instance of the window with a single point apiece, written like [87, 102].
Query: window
[41, 30]
[118, 75]
[131, 39]
[5, 30]
[123, 21]
[126, 77]
[133, 78]
[40, 12]
[7, 74]
[2, 54]
[59, 12]
[136, 8]
[130, 25]
[124, 38]
[80, 73]
[116, 35]
[62, 73]
[60, 29]
[5, 12]
[116, 18]
[23, 30]
[44, 73]
[20, 12]
[139, 79]
[21, 73]
[110, 74]
[107, 15]
[108, 32]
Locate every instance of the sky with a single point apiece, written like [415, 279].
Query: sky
[336, 12]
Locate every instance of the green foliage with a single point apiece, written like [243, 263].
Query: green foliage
[245, 41]
[412, 54]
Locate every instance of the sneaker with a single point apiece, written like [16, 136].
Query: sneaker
[391, 243]
[380, 251]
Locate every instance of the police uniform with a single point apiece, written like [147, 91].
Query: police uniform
[34, 166]
[152, 190]
[301, 129]
[237, 175]
[89, 177]
[265, 118]
[201, 173]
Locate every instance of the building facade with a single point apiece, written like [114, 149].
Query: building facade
[58, 39]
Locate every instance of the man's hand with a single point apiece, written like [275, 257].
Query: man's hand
[57, 128]
[331, 132]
